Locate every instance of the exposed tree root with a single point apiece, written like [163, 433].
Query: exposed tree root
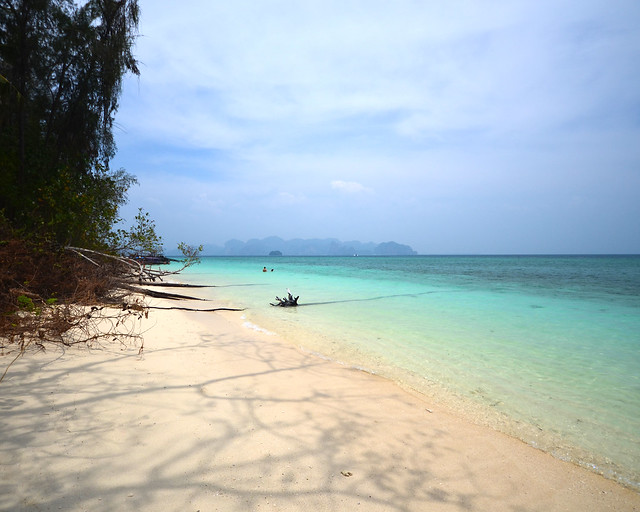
[75, 296]
[159, 295]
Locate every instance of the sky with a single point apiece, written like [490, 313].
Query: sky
[455, 127]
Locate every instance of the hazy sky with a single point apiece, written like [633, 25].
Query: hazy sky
[452, 126]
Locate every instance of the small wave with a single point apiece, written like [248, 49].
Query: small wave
[257, 328]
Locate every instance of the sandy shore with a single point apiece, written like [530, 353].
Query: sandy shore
[214, 416]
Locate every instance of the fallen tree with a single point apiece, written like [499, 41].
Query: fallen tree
[76, 296]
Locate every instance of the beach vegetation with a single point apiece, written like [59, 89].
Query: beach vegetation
[141, 238]
[25, 303]
[71, 295]
[190, 253]
[64, 272]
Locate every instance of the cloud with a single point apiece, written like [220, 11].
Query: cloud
[350, 187]
[282, 75]
[447, 110]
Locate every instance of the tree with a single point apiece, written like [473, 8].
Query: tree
[141, 238]
[61, 72]
[62, 67]
[64, 274]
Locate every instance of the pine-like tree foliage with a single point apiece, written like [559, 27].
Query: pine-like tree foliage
[61, 71]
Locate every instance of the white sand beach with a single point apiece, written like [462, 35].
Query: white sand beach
[213, 416]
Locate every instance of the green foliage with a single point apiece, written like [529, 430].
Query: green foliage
[80, 209]
[191, 254]
[141, 238]
[61, 72]
[26, 303]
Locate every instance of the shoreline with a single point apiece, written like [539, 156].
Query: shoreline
[214, 415]
[467, 409]
[554, 407]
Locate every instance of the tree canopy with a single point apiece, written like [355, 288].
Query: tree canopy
[61, 71]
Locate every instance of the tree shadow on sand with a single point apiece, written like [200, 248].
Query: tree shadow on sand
[224, 424]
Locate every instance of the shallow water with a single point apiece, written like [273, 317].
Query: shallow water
[543, 348]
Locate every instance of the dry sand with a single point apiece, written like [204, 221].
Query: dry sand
[214, 416]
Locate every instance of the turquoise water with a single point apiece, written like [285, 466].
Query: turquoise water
[543, 348]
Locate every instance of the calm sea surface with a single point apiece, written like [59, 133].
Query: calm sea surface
[545, 348]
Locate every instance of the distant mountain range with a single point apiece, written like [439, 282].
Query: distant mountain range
[274, 245]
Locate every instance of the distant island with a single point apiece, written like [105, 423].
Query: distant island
[276, 246]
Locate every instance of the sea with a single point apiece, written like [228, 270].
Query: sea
[543, 348]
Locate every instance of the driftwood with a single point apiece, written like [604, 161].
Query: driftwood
[288, 302]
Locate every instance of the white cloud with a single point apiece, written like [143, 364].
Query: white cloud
[234, 74]
[428, 103]
[351, 187]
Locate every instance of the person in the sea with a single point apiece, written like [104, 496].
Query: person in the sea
[264, 269]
